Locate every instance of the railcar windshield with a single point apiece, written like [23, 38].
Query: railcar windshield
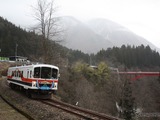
[45, 72]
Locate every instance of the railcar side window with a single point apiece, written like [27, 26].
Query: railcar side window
[12, 73]
[27, 74]
[54, 73]
[37, 72]
[22, 74]
[16, 74]
[30, 73]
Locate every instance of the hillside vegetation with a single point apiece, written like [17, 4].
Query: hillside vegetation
[4, 67]
[139, 56]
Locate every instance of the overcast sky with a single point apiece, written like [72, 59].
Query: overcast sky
[140, 16]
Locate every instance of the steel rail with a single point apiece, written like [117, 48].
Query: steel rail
[81, 112]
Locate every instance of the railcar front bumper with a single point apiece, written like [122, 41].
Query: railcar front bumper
[44, 85]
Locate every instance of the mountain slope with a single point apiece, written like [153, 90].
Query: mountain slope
[79, 36]
[116, 33]
[12, 36]
[28, 44]
[98, 34]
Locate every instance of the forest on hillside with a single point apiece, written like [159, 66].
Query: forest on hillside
[93, 88]
[131, 56]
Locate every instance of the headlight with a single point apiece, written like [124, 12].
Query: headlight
[33, 83]
[55, 85]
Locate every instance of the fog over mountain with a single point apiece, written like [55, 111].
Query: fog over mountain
[97, 34]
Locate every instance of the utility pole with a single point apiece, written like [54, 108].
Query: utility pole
[16, 54]
[16, 50]
[0, 54]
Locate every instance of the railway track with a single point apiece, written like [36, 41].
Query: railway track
[81, 112]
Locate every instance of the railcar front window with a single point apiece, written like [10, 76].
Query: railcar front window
[37, 72]
[54, 73]
[46, 72]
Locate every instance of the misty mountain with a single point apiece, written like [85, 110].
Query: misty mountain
[116, 33]
[79, 36]
[92, 36]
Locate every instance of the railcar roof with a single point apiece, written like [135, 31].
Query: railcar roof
[36, 65]
[45, 65]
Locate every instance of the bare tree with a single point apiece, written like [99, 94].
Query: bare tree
[44, 13]
[47, 25]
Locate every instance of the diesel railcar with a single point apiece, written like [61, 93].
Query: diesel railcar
[36, 80]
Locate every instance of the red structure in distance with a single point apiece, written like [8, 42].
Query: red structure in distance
[140, 74]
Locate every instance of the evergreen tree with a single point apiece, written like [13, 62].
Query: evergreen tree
[139, 56]
[127, 101]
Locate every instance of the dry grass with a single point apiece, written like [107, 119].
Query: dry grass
[4, 67]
